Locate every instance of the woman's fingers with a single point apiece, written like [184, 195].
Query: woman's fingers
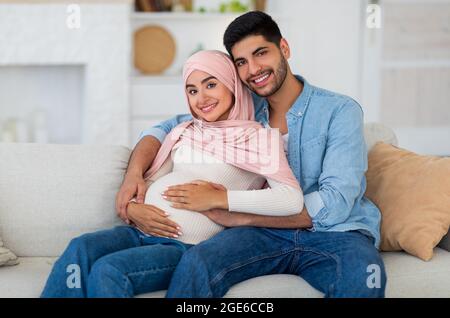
[159, 233]
[181, 187]
[181, 206]
[200, 182]
[174, 193]
[163, 218]
[176, 199]
[218, 186]
[163, 222]
[165, 227]
[154, 231]
[160, 227]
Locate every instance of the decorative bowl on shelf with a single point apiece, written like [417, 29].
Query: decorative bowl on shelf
[154, 49]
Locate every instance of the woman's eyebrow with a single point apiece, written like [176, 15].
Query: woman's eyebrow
[207, 79]
[204, 81]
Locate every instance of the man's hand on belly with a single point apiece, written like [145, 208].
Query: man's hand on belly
[236, 219]
[228, 219]
[152, 220]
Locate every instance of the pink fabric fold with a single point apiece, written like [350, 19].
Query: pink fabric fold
[240, 140]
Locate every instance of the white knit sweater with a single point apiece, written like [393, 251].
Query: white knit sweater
[244, 192]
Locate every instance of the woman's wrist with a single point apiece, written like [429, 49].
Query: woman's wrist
[222, 200]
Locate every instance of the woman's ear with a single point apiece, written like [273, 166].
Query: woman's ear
[285, 49]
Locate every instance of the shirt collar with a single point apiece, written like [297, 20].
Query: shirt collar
[301, 103]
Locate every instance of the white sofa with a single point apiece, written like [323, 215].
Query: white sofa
[52, 193]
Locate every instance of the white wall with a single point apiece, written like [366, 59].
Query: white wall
[325, 38]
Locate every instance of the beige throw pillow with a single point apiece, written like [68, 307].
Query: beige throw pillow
[413, 195]
[7, 258]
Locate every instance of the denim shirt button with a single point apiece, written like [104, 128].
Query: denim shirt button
[300, 114]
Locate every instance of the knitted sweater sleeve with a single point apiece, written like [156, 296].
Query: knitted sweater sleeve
[278, 200]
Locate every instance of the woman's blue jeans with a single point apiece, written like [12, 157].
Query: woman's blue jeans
[120, 262]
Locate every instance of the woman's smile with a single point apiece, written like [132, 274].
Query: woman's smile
[208, 108]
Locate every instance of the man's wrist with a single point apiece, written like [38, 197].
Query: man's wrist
[134, 172]
[306, 220]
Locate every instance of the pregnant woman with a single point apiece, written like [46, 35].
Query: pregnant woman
[233, 155]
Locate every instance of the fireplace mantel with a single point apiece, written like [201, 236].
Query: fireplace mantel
[38, 35]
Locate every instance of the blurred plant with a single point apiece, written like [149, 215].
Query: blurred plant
[233, 6]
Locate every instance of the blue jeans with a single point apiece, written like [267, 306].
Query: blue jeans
[120, 262]
[339, 264]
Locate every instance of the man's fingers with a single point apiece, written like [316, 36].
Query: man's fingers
[117, 203]
[122, 202]
[142, 188]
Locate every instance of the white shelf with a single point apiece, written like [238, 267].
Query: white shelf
[413, 64]
[197, 16]
[156, 79]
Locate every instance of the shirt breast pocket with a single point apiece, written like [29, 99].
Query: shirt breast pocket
[313, 152]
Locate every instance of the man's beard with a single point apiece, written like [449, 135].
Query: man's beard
[280, 77]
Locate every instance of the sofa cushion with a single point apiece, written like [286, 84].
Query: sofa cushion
[7, 258]
[50, 194]
[26, 280]
[407, 275]
[413, 198]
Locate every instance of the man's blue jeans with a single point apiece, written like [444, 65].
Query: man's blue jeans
[121, 262]
[339, 264]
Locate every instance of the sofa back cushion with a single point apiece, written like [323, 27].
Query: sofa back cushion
[50, 194]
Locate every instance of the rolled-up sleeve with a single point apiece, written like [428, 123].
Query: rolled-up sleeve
[343, 169]
[161, 130]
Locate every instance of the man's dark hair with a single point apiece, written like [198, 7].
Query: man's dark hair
[252, 23]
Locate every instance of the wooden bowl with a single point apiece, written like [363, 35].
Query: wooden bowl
[154, 49]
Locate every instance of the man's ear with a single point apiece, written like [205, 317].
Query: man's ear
[285, 49]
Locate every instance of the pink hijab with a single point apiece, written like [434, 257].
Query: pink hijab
[240, 140]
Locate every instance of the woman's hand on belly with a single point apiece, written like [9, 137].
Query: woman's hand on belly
[152, 220]
[199, 196]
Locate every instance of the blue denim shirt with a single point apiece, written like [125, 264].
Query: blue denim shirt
[328, 155]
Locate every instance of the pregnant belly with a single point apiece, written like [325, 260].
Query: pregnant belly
[195, 226]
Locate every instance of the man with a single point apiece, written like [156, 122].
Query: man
[332, 243]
